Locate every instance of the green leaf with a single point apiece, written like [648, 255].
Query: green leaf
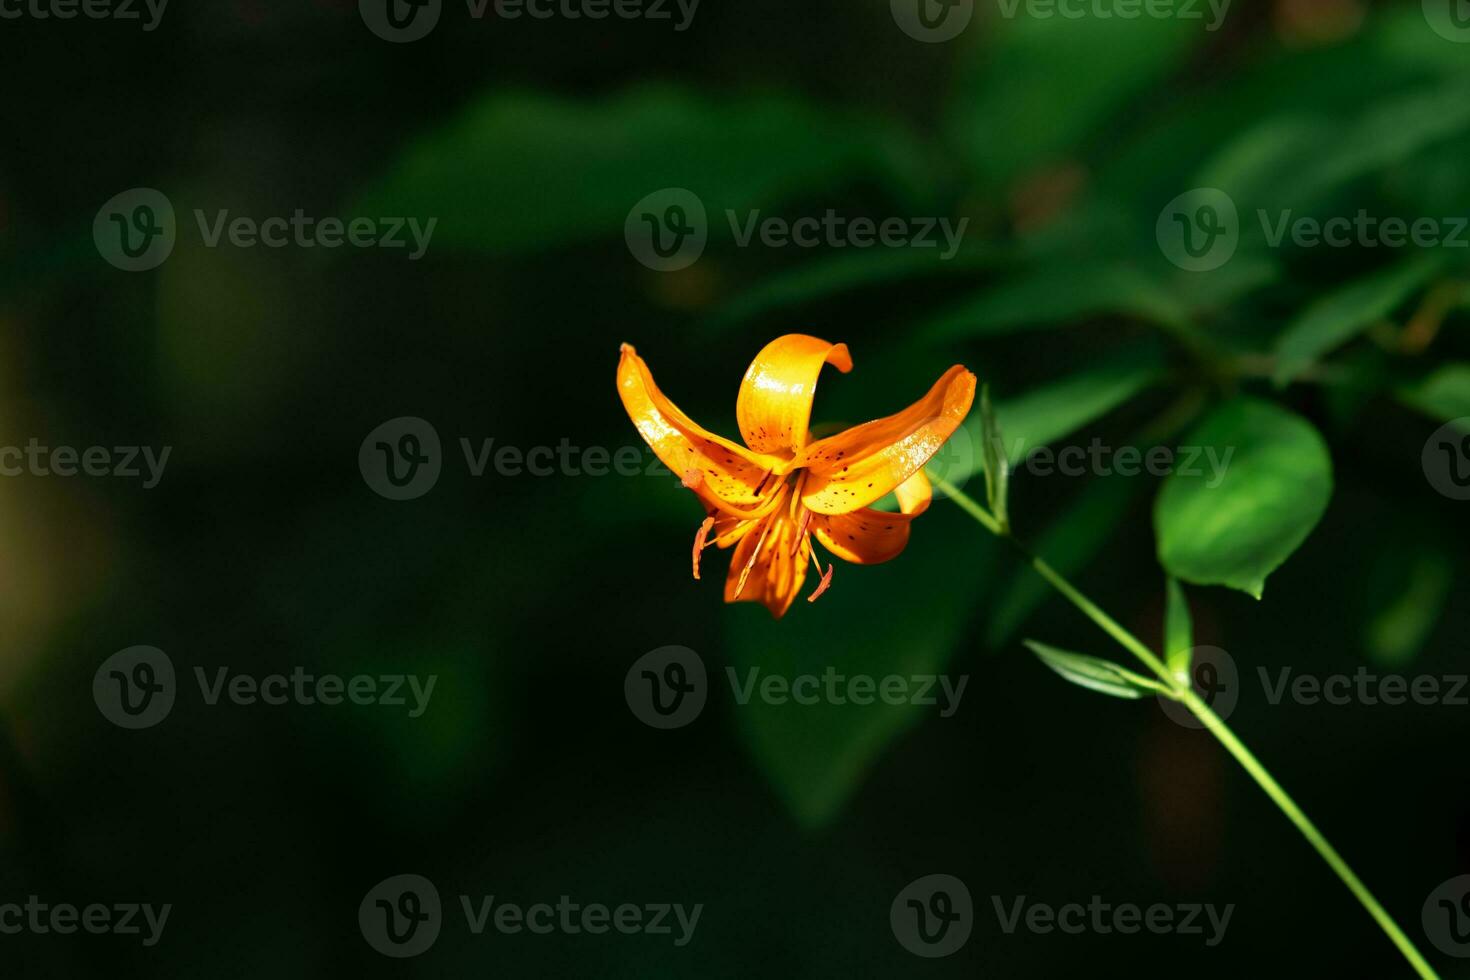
[1234, 528]
[1341, 315]
[1020, 104]
[1058, 293]
[997, 466]
[520, 170]
[1097, 674]
[1050, 412]
[844, 272]
[1178, 630]
[1444, 395]
[1069, 543]
[1297, 161]
[905, 617]
[1413, 586]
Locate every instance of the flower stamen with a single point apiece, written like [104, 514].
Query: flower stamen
[701, 542]
[826, 582]
[754, 555]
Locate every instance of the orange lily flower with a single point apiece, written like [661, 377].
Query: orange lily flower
[768, 497]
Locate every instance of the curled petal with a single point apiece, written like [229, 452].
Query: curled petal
[856, 467]
[724, 474]
[774, 407]
[914, 494]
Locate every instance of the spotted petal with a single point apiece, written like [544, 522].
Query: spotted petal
[774, 407]
[854, 468]
[725, 474]
[869, 537]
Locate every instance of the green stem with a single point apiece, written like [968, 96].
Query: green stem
[1213, 722]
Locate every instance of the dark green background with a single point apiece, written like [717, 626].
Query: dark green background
[528, 778]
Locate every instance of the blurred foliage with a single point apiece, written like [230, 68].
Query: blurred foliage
[1324, 369]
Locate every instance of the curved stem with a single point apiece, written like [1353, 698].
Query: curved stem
[1211, 721]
